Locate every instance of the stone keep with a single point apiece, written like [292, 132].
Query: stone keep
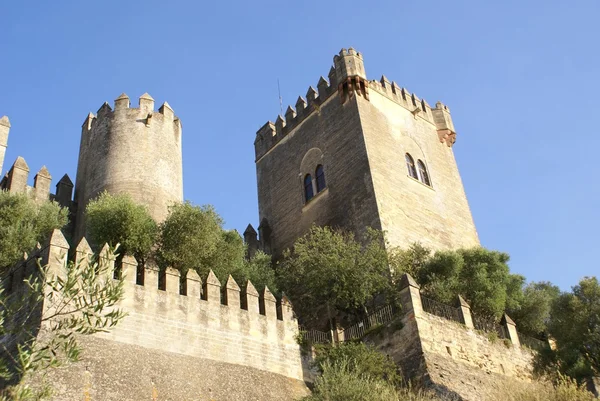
[360, 130]
[130, 150]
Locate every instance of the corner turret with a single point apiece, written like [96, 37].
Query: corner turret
[4, 129]
[444, 124]
[349, 63]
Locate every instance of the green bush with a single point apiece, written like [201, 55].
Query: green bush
[23, 223]
[361, 359]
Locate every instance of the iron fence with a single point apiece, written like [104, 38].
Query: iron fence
[533, 343]
[358, 330]
[440, 309]
[489, 325]
[315, 336]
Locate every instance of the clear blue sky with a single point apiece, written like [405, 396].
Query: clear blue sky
[521, 79]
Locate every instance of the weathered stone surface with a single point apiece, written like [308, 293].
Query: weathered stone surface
[130, 150]
[127, 372]
[453, 359]
[360, 132]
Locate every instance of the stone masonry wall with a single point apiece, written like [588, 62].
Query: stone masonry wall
[360, 131]
[452, 357]
[130, 150]
[438, 216]
[331, 135]
[208, 328]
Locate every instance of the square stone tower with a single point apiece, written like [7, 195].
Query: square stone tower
[360, 153]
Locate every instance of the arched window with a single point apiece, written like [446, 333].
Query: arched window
[423, 173]
[410, 165]
[320, 173]
[308, 188]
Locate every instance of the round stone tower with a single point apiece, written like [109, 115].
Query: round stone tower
[130, 150]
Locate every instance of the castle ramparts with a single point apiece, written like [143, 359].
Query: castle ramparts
[210, 321]
[347, 79]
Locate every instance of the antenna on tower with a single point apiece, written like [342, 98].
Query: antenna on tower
[280, 99]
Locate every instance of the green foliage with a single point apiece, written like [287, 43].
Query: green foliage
[117, 219]
[533, 312]
[260, 271]
[73, 299]
[23, 223]
[575, 325]
[330, 269]
[481, 276]
[359, 358]
[339, 382]
[190, 237]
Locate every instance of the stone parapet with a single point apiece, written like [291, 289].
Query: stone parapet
[242, 328]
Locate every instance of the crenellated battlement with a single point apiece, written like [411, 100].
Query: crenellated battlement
[16, 178]
[196, 316]
[133, 150]
[145, 110]
[347, 78]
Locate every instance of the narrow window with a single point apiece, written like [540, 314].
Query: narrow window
[320, 173]
[308, 188]
[423, 173]
[410, 164]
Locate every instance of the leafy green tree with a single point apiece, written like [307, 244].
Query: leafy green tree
[329, 271]
[228, 257]
[481, 276]
[190, 238]
[23, 223]
[78, 299]
[533, 313]
[260, 271]
[117, 219]
[575, 325]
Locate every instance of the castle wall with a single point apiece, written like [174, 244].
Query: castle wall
[452, 357]
[130, 150]
[205, 342]
[112, 371]
[332, 136]
[410, 211]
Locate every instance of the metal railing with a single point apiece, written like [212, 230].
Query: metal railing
[488, 325]
[533, 343]
[315, 336]
[440, 309]
[358, 330]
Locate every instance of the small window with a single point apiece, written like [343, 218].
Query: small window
[308, 188]
[410, 165]
[320, 173]
[423, 173]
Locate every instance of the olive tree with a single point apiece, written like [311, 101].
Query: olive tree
[117, 219]
[23, 223]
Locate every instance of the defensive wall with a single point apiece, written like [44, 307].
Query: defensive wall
[449, 353]
[215, 337]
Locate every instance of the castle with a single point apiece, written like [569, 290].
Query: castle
[360, 153]
[355, 153]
